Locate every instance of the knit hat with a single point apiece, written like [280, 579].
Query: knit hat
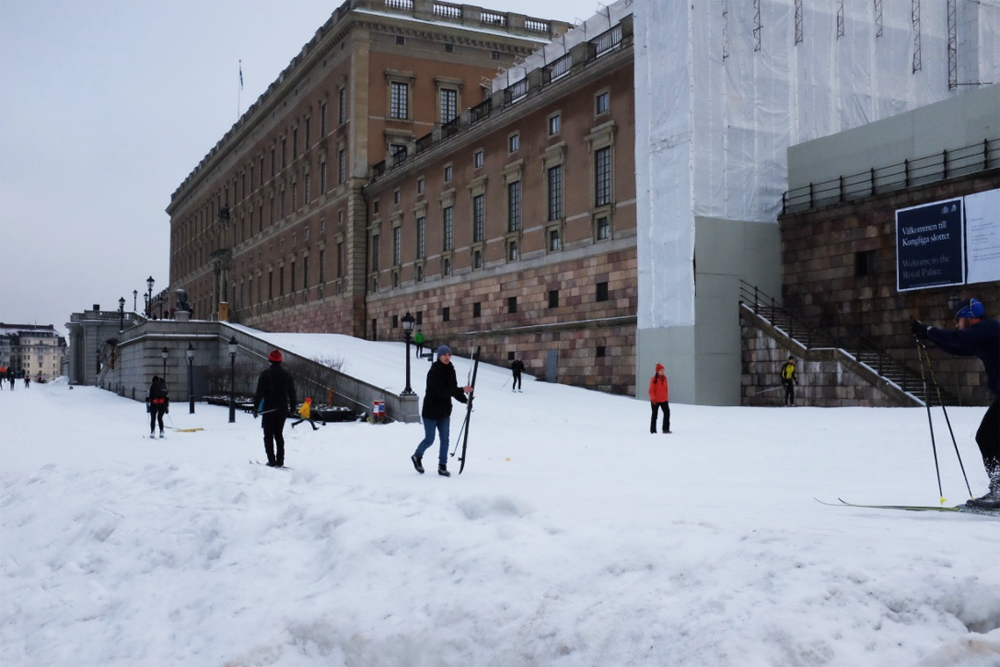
[970, 308]
[274, 357]
[308, 400]
[444, 349]
[659, 367]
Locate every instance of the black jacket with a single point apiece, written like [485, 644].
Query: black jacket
[442, 385]
[277, 391]
[981, 340]
[158, 395]
[517, 366]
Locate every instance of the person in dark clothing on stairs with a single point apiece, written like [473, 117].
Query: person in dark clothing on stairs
[442, 386]
[274, 401]
[976, 335]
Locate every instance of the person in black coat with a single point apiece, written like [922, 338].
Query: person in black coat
[976, 335]
[517, 368]
[274, 401]
[442, 386]
[157, 403]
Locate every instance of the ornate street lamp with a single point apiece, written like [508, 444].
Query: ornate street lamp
[190, 358]
[121, 314]
[135, 299]
[407, 330]
[234, 347]
[164, 354]
[149, 295]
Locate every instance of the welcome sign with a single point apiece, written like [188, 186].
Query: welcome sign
[930, 245]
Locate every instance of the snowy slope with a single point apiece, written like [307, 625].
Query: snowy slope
[574, 537]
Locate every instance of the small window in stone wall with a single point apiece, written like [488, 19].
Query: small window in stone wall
[395, 321]
[602, 292]
[445, 314]
[510, 356]
[477, 309]
[600, 351]
[512, 304]
[864, 263]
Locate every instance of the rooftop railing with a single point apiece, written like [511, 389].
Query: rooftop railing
[880, 180]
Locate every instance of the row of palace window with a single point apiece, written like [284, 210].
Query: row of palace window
[399, 103]
[292, 277]
[602, 229]
[601, 294]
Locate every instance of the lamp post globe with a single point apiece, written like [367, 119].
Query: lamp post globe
[234, 347]
[407, 330]
[190, 358]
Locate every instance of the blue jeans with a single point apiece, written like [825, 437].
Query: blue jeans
[441, 426]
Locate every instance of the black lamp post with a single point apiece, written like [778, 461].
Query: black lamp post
[135, 299]
[234, 347]
[121, 314]
[164, 353]
[149, 295]
[407, 330]
[190, 357]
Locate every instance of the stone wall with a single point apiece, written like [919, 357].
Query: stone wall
[839, 275]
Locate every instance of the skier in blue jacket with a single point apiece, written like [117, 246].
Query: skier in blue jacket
[976, 336]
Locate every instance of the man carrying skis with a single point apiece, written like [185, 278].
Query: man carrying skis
[274, 401]
[976, 336]
[442, 386]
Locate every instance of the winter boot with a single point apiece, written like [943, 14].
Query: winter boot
[443, 470]
[161, 434]
[417, 464]
[992, 499]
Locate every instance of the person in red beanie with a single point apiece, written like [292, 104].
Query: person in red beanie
[659, 398]
[274, 401]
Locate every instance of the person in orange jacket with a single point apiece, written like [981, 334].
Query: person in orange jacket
[659, 398]
[305, 413]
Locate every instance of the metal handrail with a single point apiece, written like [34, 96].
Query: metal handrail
[878, 180]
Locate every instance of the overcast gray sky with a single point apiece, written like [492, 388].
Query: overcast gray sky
[105, 107]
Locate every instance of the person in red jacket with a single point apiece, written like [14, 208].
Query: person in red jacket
[659, 398]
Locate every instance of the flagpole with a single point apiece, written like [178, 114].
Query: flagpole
[239, 94]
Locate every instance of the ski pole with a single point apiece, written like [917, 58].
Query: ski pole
[459, 438]
[930, 423]
[764, 391]
[505, 383]
[951, 432]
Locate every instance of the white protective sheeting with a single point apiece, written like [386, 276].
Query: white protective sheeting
[717, 107]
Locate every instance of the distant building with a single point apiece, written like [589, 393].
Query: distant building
[32, 349]
[273, 221]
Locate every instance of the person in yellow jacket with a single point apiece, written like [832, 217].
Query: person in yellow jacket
[788, 380]
[304, 413]
[659, 399]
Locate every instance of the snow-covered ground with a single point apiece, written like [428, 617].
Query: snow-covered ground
[574, 537]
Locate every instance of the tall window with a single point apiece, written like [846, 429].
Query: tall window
[478, 219]
[375, 252]
[340, 260]
[449, 104]
[341, 166]
[397, 246]
[399, 103]
[449, 228]
[341, 106]
[322, 177]
[305, 272]
[514, 206]
[308, 123]
[322, 118]
[291, 276]
[421, 238]
[602, 176]
[555, 176]
[322, 266]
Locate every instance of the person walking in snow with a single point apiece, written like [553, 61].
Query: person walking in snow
[442, 386]
[976, 335]
[418, 339]
[157, 404]
[789, 379]
[517, 368]
[274, 401]
[27, 380]
[304, 414]
[659, 398]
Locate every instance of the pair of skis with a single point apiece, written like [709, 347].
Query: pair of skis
[971, 509]
[463, 433]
